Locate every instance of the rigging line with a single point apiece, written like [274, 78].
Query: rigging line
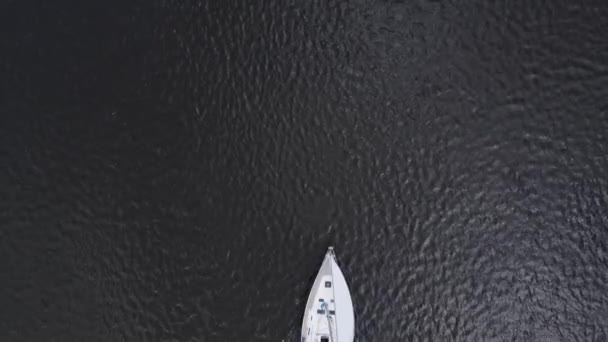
[333, 290]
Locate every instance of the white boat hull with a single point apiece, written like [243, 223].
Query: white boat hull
[329, 315]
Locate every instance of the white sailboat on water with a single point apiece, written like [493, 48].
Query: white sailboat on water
[329, 315]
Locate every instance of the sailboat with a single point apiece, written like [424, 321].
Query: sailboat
[329, 315]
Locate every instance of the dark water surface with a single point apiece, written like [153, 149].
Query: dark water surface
[174, 170]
